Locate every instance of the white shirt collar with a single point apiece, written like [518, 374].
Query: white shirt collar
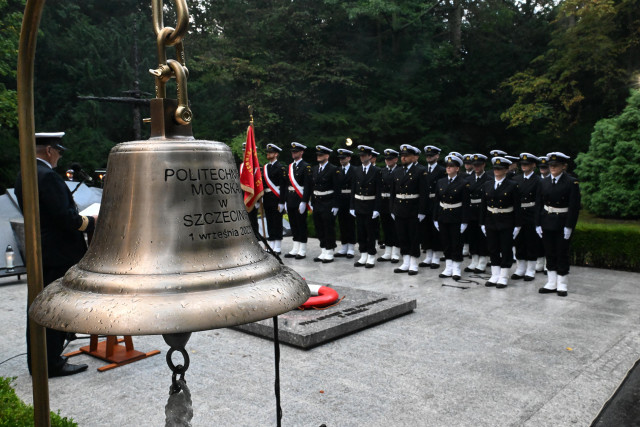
[297, 162]
[557, 178]
[500, 182]
[45, 162]
[529, 176]
[273, 161]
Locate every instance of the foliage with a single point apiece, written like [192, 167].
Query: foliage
[612, 246]
[609, 174]
[15, 413]
[10, 21]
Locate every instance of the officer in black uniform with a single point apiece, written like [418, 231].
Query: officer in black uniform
[326, 185]
[543, 167]
[346, 221]
[557, 208]
[391, 250]
[477, 239]
[430, 236]
[298, 196]
[62, 231]
[275, 196]
[450, 215]
[499, 221]
[409, 206]
[528, 243]
[365, 206]
[513, 167]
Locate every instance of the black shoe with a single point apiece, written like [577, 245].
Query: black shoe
[443, 258]
[478, 271]
[489, 284]
[529, 278]
[349, 256]
[545, 272]
[434, 266]
[412, 272]
[327, 261]
[455, 277]
[500, 286]
[395, 261]
[443, 276]
[546, 291]
[317, 259]
[339, 255]
[423, 264]
[300, 256]
[399, 270]
[68, 369]
[357, 264]
[288, 255]
[380, 259]
[515, 276]
[562, 293]
[469, 270]
[369, 265]
[382, 246]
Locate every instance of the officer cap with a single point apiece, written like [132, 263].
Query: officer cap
[528, 158]
[364, 150]
[452, 160]
[272, 148]
[431, 150]
[321, 149]
[296, 146]
[500, 162]
[50, 138]
[467, 159]
[557, 157]
[543, 162]
[343, 152]
[479, 159]
[409, 150]
[374, 153]
[455, 153]
[390, 154]
[497, 153]
[513, 158]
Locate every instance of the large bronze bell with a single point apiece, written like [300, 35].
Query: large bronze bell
[173, 249]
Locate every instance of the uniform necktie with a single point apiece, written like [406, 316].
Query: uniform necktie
[450, 179]
[553, 181]
[320, 170]
[344, 170]
[364, 169]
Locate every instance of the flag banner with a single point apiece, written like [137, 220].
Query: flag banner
[250, 173]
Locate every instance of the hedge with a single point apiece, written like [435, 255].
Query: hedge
[612, 246]
[15, 413]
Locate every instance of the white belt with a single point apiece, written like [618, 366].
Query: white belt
[322, 193]
[359, 197]
[291, 188]
[385, 194]
[551, 209]
[450, 206]
[267, 190]
[475, 201]
[498, 210]
[432, 195]
[528, 205]
[347, 191]
[407, 196]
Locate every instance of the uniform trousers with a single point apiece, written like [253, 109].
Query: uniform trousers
[477, 239]
[408, 231]
[55, 339]
[325, 224]
[499, 244]
[430, 236]
[367, 233]
[528, 244]
[388, 229]
[451, 240]
[298, 223]
[274, 221]
[347, 224]
[556, 249]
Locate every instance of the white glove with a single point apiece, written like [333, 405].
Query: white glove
[567, 233]
[539, 231]
[302, 207]
[334, 211]
[421, 217]
[436, 225]
[462, 228]
[352, 212]
[257, 205]
[375, 215]
[484, 229]
[281, 208]
[516, 230]
[393, 216]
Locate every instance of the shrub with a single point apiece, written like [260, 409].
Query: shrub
[612, 246]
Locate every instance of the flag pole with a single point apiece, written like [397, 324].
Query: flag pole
[264, 230]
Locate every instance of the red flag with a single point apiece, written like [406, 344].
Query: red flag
[251, 176]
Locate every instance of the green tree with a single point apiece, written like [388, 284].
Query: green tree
[609, 174]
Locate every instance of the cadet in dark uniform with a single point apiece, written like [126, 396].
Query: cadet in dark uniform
[543, 166]
[513, 167]
[557, 208]
[409, 206]
[477, 239]
[346, 221]
[499, 220]
[468, 173]
[326, 184]
[391, 250]
[274, 199]
[450, 215]
[61, 231]
[430, 236]
[298, 196]
[528, 243]
[365, 206]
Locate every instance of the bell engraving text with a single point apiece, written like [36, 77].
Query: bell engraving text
[219, 217]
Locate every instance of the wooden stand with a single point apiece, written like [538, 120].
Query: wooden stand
[111, 351]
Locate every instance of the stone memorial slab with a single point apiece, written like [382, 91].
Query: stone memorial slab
[358, 309]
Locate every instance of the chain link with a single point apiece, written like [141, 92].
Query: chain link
[178, 370]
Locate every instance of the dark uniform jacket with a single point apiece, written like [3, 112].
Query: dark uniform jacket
[504, 197]
[564, 194]
[475, 195]
[528, 189]
[452, 194]
[327, 181]
[63, 245]
[344, 197]
[436, 174]
[386, 182]
[304, 177]
[277, 173]
[366, 187]
[413, 182]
